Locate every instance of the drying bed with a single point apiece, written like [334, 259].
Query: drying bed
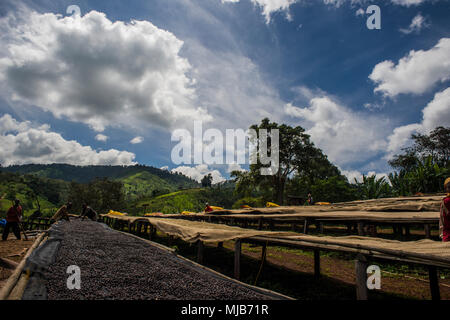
[114, 265]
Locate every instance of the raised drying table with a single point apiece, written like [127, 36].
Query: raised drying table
[432, 254]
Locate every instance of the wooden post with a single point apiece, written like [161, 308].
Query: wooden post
[293, 227]
[427, 231]
[321, 227]
[200, 248]
[407, 231]
[305, 226]
[349, 228]
[360, 228]
[260, 223]
[237, 259]
[361, 277]
[264, 252]
[316, 264]
[150, 235]
[434, 283]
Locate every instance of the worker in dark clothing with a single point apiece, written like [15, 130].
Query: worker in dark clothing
[88, 212]
[63, 212]
[310, 200]
[13, 218]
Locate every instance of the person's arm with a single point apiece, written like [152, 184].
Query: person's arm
[19, 213]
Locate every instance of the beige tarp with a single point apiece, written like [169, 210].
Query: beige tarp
[191, 231]
[426, 216]
[434, 249]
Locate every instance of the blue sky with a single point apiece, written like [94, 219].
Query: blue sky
[68, 81]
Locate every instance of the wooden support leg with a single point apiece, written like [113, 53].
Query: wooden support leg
[360, 228]
[200, 250]
[150, 235]
[260, 223]
[293, 227]
[434, 283]
[361, 277]
[220, 245]
[316, 264]
[305, 226]
[321, 227]
[237, 259]
[349, 228]
[407, 231]
[264, 252]
[427, 231]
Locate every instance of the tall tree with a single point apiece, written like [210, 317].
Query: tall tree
[207, 180]
[297, 155]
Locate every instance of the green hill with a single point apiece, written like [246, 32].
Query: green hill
[32, 190]
[188, 200]
[139, 181]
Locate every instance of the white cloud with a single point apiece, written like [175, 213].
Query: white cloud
[92, 70]
[344, 135]
[415, 73]
[165, 168]
[137, 140]
[436, 113]
[101, 137]
[270, 6]
[418, 23]
[234, 167]
[360, 12]
[355, 174]
[21, 143]
[198, 172]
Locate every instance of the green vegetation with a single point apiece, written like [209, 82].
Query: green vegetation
[422, 168]
[302, 168]
[187, 200]
[33, 192]
[139, 181]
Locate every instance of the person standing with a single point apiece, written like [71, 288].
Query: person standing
[444, 219]
[88, 212]
[13, 218]
[63, 212]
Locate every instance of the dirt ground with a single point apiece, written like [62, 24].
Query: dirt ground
[410, 284]
[14, 250]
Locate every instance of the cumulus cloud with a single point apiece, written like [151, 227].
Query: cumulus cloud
[22, 143]
[436, 113]
[137, 140]
[418, 23]
[331, 125]
[92, 70]
[415, 73]
[198, 172]
[234, 167]
[101, 137]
